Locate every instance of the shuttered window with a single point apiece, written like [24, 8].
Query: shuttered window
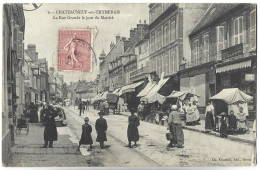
[253, 29]
[196, 53]
[173, 30]
[205, 42]
[220, 38]
[238, 30]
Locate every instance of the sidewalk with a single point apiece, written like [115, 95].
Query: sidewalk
[27, 151]
[247, 138]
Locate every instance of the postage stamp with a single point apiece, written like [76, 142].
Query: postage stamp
[74, 50]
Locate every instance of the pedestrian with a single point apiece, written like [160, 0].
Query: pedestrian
[232, 123]
[209, 114]
[106, 108]
[81, 110]
[196, 112]
[132, 130]
[241, 121]
[50, 130]
[190, 115]
[101, 128]
[102, 106]
[76, 102]
[33, 113]
[174, 124]
[86, 138]
[223, 128]
[140, 110]
[40, 107]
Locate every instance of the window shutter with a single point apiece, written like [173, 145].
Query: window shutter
[253, 29]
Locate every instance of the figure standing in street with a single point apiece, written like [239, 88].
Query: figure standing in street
[140, 110]
[196, 112]
[101, 128]
[102, 106]
[86, 138]
[232, 122]
[174, 123]
[209, 114]
[33, 113]
[190, 115]
[223, 128]
[241, 121]
[50, 131]
[81, 110]
[132, 130]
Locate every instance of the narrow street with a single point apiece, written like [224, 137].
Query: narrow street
[199, 149]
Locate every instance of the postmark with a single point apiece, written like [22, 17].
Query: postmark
[74, 50]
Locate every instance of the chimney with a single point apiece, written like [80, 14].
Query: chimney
[71, 83]
[51, 72]
[31, 48]
[140, 21]
[144, 21]
[123, 38]
[117, 38]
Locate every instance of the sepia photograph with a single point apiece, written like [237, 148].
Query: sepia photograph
[129, 84]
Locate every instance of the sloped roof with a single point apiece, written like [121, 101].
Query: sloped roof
[215, 11]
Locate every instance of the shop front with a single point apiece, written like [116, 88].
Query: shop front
[199, 80]
[241, 74]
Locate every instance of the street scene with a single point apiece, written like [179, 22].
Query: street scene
[172, 86]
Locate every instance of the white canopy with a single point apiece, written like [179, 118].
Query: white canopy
[153, 98]
[232, 95]
[181, 94]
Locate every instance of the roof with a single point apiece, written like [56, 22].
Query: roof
[215, 11]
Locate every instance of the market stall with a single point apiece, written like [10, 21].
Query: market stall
[227, 100]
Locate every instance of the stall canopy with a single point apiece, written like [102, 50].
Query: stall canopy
[153, 98]
[181, 95]
[231, 96]
[129, 88]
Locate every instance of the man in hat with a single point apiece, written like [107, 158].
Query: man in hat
[50, 131]
[175, 127]
[101, 128]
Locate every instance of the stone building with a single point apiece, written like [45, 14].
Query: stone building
[223, 46]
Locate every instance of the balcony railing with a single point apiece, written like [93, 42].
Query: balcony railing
[233, 51]
[138, 74]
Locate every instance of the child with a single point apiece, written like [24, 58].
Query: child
[223, 128]
[232, 123]
[86, 134]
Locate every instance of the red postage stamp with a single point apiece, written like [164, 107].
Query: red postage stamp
[74, 50]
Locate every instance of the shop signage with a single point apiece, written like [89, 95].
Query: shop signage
[249, 77]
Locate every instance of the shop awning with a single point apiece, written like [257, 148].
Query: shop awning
[235, 66]
[132, 87]
[158, 86]
[129, 88]
[116, 91]
[153, 98]
[146, 90]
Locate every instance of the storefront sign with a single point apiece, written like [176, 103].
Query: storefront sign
[249, 77]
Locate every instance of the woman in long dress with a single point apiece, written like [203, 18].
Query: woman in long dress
[101, 128]
[241, 121]
[190, 115]
[132, 130]
[209, 121]
[196, 112]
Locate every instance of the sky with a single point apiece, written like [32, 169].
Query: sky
[41, 29]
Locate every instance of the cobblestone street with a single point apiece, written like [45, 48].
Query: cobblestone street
[199, 149]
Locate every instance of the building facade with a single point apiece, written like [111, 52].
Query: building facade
[224, 40]
[169, 26]
[13, 33]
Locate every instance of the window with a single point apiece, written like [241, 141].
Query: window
[152, 42]
[253, 29]
[166, 63]
[165, 35]
[173, 30]
[238, 30]
[171, 60]
[159, 39]
[205, 42]
[196, 52]
[176, 61]
[220, 38]
[159, 65]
